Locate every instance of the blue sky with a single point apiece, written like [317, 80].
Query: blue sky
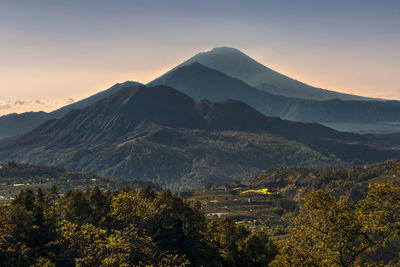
[56, 50]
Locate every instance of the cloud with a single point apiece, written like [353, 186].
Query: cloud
[5, 106]
[20, 102]
[21, 105]
[26, 105]
[70, 100]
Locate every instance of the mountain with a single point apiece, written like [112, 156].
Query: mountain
[15, 124]
[393, 137]
[238, 65]
[200, 82]
[162, 134]
[93, 99]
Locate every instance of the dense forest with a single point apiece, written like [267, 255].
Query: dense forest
[122, 228]
[304, 217]
[142, 227]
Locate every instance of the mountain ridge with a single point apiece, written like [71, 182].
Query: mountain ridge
[18, 123]
[162, 134]
[199, 81]
[15, 124]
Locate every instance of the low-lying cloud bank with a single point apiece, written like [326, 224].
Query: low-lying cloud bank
[21, 105]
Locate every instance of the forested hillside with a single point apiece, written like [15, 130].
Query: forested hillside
[275, 194]
[344, 183]
[15, 177]
[162, 134]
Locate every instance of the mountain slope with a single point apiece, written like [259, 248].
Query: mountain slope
[15, 124]
[93, 99]
[237, 64]
[200, 82]
[160, 133]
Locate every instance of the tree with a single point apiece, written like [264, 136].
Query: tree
[100, 206]
[129, 209]
[26, 199]
[16, 226]
[129, 228]
[257, 249]
[127, 243]
[342, 233]
[76, 207]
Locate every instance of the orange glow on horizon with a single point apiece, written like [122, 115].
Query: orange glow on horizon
[54, 86]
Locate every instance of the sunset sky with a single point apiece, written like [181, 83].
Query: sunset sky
[54, 52]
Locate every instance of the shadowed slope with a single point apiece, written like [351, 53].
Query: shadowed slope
[200, 82]
[160, 133]
[15, 124]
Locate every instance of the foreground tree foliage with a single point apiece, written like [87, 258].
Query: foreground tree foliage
[129, 228]
[145, 228]
[343, 233]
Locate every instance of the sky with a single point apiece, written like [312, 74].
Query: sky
[55, 52]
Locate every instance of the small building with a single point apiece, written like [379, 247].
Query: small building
[251, 200]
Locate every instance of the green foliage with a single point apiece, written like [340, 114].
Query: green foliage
[128, 209]
[258, 249]
[346, 223]
[129, 228]
[343, 233]
[43, 262]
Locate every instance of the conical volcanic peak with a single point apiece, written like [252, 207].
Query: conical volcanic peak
[237, 64]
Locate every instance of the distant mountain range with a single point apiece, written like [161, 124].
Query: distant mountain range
[200, 82]
[162, 134]
[15, 124]
[226, 73]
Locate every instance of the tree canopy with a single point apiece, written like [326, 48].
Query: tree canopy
[122, 228]
[332, 232]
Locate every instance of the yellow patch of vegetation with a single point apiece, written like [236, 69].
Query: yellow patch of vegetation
[263, 191]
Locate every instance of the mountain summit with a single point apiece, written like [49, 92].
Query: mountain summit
[236, 64]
